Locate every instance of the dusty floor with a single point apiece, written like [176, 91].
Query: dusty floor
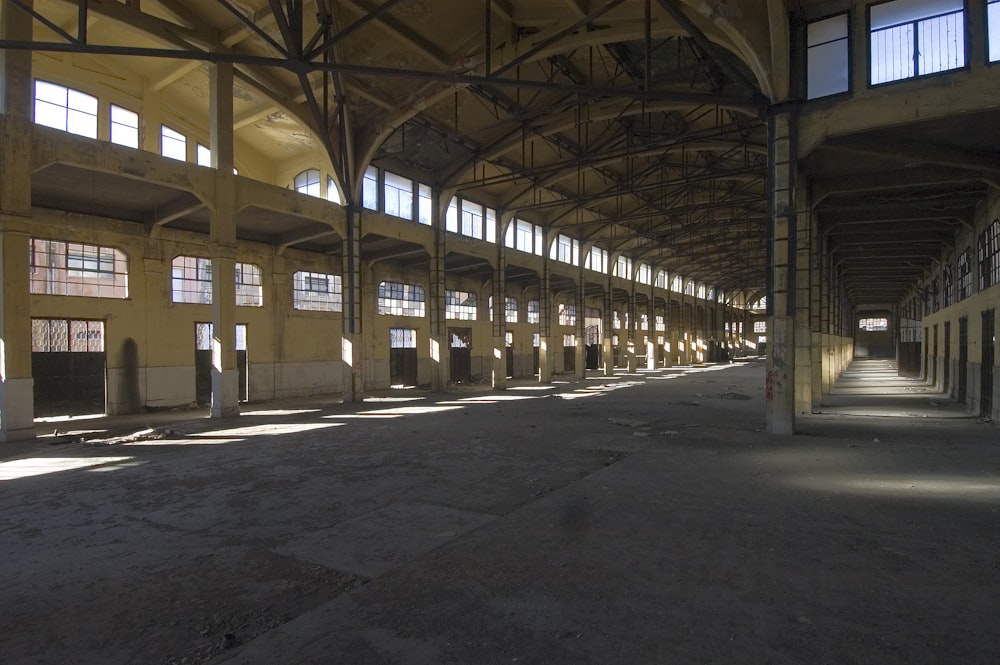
[640, 519]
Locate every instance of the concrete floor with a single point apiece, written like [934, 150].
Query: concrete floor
[641, 519]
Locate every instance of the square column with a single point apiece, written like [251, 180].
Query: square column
[782, 254]
[607, 333]
[499, 357]
[440, 352]
[225, 376]
[581, 328]
[545, 323]
[17, 399]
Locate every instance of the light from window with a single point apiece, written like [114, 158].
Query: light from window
[398, 193]
[964, 276]
[332, 192]
[451, 216]
[472, 220]
[677, 284]
[701, 291]
[913, 37]
[402, 338]
[566, 250]
[569, 339]
[399, 299]
[460, 305]
[661, 279]
[75, 269]
[249, 286]
[947, 285]
[536, 340]
[661, 324]
[173, 144]
[993, 28]
[307, 182]
[67, 336]
[827, 61]
[511, 310]
[623, 267]
[491, 225]
[597, 260]
[202, 155]
[316, 292]
[616, 319]
[689, 289]
[66, 109]
[644, 274]
[989, 256]
[879, 324]
[425, 204]
[124, 127]
[191, 278]
[567, 315]
[534, 311]
[760, 327]
[369, 189]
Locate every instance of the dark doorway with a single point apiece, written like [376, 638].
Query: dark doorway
[963, 358]
[203, 363]
[536, 364]
[509, 352]
[69, 366]
[242, 362]
[460, 344]
[402, 357]
[986, 379]
[569, 353]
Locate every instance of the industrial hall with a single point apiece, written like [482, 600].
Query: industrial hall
[312, 236]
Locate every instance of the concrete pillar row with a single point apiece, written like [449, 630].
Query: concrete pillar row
[782, 253]
[545, 349]
[17, 404]
[580, 370]
[607, 331]
[683, 342]
[440, 351]
[499, 360]
[630, 330]
[650, 331]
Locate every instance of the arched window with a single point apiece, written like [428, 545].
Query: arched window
[307, 182]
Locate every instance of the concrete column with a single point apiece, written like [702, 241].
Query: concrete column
[499, 324]
[630, 327]
[683, 342]
[351, 347]
[669, 340]
[803, 301]
[225, 376]
[581, 327]
[782, 252]
[650, 332]
[545, 349]
[607, 332]
[440, 350]
[17, 402]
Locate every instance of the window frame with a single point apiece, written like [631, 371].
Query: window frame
[916, 51]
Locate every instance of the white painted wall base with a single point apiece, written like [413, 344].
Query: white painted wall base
[17, 409]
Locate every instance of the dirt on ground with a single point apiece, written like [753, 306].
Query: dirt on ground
[640, 518]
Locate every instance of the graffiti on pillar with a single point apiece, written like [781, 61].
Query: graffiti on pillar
[775, 381]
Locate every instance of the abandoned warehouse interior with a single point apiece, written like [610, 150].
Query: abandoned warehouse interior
[215, 202]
